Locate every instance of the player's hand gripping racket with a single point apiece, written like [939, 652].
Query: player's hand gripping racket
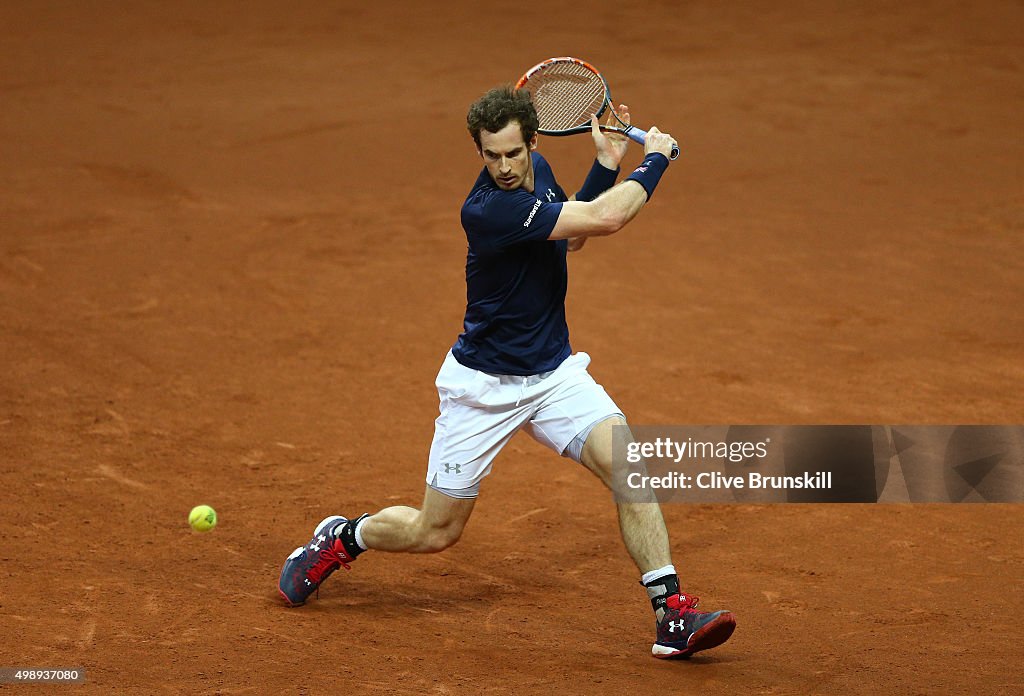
[566, 91]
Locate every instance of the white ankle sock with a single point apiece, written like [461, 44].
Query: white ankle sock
[652, 575]
[359, 536]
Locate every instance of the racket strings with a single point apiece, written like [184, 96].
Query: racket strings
[565, 95]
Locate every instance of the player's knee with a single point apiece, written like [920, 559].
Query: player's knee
[437, 539]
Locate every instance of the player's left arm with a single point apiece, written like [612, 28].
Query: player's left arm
[611, 148]
[576, 243]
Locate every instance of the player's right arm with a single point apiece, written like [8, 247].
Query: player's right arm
[613, 209]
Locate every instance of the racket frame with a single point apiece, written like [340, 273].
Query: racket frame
[634, 133]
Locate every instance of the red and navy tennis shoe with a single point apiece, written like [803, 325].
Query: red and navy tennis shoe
[683, 630]
[308, 566]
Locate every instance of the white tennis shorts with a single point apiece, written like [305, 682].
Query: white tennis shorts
[480, 412]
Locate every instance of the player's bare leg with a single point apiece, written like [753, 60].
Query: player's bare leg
[681, 629]
[435, 527]
[641, 523]
[337, 541]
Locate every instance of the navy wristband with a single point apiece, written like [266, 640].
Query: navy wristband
[649, 173]
[599, 180]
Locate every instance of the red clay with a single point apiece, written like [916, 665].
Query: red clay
[231, 264]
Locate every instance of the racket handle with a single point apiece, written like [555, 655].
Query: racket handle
[639, 135]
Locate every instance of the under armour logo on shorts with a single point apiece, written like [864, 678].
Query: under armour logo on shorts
[457, 468]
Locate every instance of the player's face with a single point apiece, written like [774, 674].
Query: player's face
[507, 157]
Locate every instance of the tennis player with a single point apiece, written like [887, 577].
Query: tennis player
[512, 367]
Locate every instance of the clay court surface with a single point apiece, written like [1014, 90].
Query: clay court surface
[231, 264]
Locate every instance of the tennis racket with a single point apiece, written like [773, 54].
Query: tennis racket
[566, 91]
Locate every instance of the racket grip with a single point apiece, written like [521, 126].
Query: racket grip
[639, 135]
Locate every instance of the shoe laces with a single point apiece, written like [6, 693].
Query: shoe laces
[329, 559]
[681, 601]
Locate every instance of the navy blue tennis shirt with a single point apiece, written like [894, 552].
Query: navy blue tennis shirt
[515, 278]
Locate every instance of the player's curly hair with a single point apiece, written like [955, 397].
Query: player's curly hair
[498, 107]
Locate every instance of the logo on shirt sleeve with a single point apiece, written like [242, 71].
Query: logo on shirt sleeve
[533, 212]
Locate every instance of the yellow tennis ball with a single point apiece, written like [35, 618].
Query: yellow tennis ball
[203, 518]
